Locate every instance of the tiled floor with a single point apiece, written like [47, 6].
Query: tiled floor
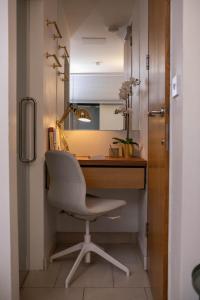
[97, 281]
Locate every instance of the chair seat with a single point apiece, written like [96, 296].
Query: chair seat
[100, 206]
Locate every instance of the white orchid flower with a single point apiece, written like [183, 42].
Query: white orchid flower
[126, 89]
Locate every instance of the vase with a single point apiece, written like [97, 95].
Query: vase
[127, 150]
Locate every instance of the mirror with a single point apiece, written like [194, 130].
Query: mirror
[100, 61]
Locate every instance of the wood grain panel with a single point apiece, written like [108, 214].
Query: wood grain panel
[111, 161]
[114, 178]
[158, 156]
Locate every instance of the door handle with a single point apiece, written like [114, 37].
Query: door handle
[154, 113]
[162, 141]
[22, 125]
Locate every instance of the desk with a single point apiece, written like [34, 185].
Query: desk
[114, 173]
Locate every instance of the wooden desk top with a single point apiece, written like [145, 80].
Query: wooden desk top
[85, 161]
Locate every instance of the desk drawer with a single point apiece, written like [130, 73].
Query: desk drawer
[114, 177]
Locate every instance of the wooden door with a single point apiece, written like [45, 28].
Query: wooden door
[158, 158]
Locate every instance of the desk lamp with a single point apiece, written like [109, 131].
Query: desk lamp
[81, 114]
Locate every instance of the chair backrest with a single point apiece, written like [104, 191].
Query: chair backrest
[67, 184]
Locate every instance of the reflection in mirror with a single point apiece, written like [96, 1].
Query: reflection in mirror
[100, 61]
[102, 117]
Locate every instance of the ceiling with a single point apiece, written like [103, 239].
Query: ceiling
[93, 48]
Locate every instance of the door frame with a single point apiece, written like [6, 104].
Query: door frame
[167, 153]
[8, 136]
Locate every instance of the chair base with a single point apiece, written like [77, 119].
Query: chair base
[85, 249]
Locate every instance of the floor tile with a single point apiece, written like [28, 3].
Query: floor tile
[100, 279]
[114, 294]
[62, 247]
[138, 277]
[51, 294]
[43, 278]
[126, 253]
[149, 294]
[96, 274]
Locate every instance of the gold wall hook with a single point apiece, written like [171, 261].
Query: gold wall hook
[66, 55]
[65, 78]
[57, 64]
[58, 35]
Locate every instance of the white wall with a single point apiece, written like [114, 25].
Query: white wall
[36, 168]
[176, 153]
[140, 50]
[64, 28]
[49, 92]
[135, 117]
[190, 244]
[91, 142]
[8, 200]
[184, 243]
[50, 109]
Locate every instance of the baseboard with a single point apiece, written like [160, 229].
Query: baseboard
[142, 256]
[97, 237]
[145, 262]
[46, 261]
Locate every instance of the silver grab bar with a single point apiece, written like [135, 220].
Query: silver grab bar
[22, 125]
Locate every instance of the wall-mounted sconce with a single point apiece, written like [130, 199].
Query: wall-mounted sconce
[56, 35]
[57, 64]
[66, 55]
[65, 78]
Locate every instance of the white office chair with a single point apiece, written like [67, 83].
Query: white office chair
[67, 192]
